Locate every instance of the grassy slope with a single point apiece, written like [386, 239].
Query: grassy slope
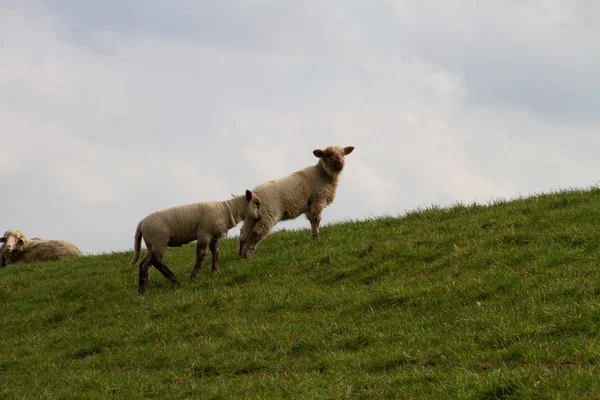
[471, 302]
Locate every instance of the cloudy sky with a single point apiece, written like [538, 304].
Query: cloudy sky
[113, 109]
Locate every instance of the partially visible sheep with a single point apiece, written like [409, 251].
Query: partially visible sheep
[307, 191]
[8, 242]
[11, 237]
[19, 249]
[205, 222]
[7, 257]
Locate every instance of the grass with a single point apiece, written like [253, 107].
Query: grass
[481, 302]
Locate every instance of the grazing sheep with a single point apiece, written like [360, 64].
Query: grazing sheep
[205, 222]
[307, 191]
[19, 249]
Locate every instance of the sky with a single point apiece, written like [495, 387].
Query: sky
[112, 110]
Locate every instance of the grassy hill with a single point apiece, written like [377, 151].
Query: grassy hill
[465, 302]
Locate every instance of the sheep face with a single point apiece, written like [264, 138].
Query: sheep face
[10, 241]
[252, 209]
[333, 157]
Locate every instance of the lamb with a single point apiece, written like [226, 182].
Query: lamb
[19, 249]
[307, 191]
[205, 222]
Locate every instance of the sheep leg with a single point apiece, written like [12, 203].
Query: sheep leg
[143, 279]
[167, 273]
[200, 254]
[215, 249]
[314, 216]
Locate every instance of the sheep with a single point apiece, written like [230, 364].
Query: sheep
[11, 238]
[8, 243]
[7, 257]
[307, 191]
[19, 249]
[206, 222]
[13, 257]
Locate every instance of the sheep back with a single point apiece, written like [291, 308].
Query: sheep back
[47, 250]
[183, 223]
[289, 197]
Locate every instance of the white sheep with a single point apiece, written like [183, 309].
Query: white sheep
[12, 235]
[205, 222]
[11, 238]
[307, 191]
[7, 257]
[19, 249]
[8, 243]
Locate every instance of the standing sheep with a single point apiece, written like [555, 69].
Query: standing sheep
[307, 191]
[205, 222]
[19, 249]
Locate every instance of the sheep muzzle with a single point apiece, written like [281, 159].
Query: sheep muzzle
[10, 243]
[338, 165]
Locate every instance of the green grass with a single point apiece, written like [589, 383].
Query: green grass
[472, 301]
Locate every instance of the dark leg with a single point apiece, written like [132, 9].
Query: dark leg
[143, 280]
[200, 254]
[167, 273]
[215, 249]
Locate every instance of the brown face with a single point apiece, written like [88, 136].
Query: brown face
[333, 156]
[253, 206]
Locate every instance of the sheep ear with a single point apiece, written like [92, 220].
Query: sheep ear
[318, 153]
[248, 195]
[2, 239]
[348, 150]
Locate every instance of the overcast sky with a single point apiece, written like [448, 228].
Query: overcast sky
[113, 109]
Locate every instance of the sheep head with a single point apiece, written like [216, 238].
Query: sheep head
[333, 158]
[13, 239]
[252, 209]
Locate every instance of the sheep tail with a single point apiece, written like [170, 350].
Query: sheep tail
[137, 243]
